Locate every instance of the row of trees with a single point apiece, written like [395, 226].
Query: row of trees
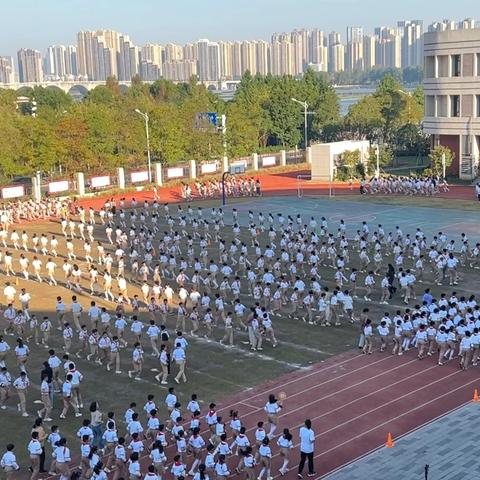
[103, 131]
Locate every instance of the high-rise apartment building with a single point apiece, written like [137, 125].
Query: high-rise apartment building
[317, 50]
[263, 57]
[208, 60]
[153, 53]
[389, 48]
[128, 59]
[226, 60]
[369, 45]
[237, 67]
[336, 53]
[30, 68]
[190, 52]
[97, 54]
[71, 65]
[354, 49]
[411, 32]
[281, 56]
[299, 40]
[149, 71]
[7, 71]
[249, 57]
[61, 62]
[173, 52]
[180, 70]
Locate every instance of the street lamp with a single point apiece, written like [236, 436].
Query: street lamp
[377, 170]
[306, 112]
[147, 134]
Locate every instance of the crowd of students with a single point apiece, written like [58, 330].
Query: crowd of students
[194, 271]
[405, 185]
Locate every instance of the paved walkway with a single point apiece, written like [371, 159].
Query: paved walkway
[449, 446]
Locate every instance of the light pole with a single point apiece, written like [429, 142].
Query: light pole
[147, 134]
[377, 171]
[305, 110]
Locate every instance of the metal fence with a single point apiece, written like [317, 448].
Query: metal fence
[295, 156]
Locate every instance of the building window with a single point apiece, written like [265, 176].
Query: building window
[454, 105]
[442, 108]
[478, 64]
[442, 66]
[477, 106]
[430, 67]
[429, 105]
[456, 65]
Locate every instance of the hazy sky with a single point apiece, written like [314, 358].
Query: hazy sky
[39, 23]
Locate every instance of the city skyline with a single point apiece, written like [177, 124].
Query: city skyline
[98, 55]
[147, 21]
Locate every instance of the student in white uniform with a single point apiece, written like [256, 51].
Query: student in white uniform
[286, 444]
[272, 408]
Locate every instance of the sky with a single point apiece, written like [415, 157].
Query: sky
[39, 23]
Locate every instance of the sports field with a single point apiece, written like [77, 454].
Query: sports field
[344, 396]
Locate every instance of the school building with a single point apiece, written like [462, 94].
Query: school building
[452, 96]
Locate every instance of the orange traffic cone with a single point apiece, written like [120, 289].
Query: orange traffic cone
[390, 442]
[475, 396]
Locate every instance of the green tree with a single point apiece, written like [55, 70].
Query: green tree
[438, 156]
[51, 97]
[385, 158]
[73, 133]
[285, 115]
[100, 95]
[365, 118]
[350, 158]
[39, 148]
[392, 102]
[410, 140]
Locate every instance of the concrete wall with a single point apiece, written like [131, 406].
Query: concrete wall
[324, 154]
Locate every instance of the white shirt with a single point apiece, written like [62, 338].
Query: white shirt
[307, 440]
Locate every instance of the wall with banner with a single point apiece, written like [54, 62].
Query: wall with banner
[100, 182]
[13, 191]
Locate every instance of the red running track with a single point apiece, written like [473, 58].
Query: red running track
[353, 400]
[281, 184]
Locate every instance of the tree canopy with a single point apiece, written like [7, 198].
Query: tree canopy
[104, 130]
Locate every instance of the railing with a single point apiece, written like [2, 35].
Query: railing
[295, 156]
